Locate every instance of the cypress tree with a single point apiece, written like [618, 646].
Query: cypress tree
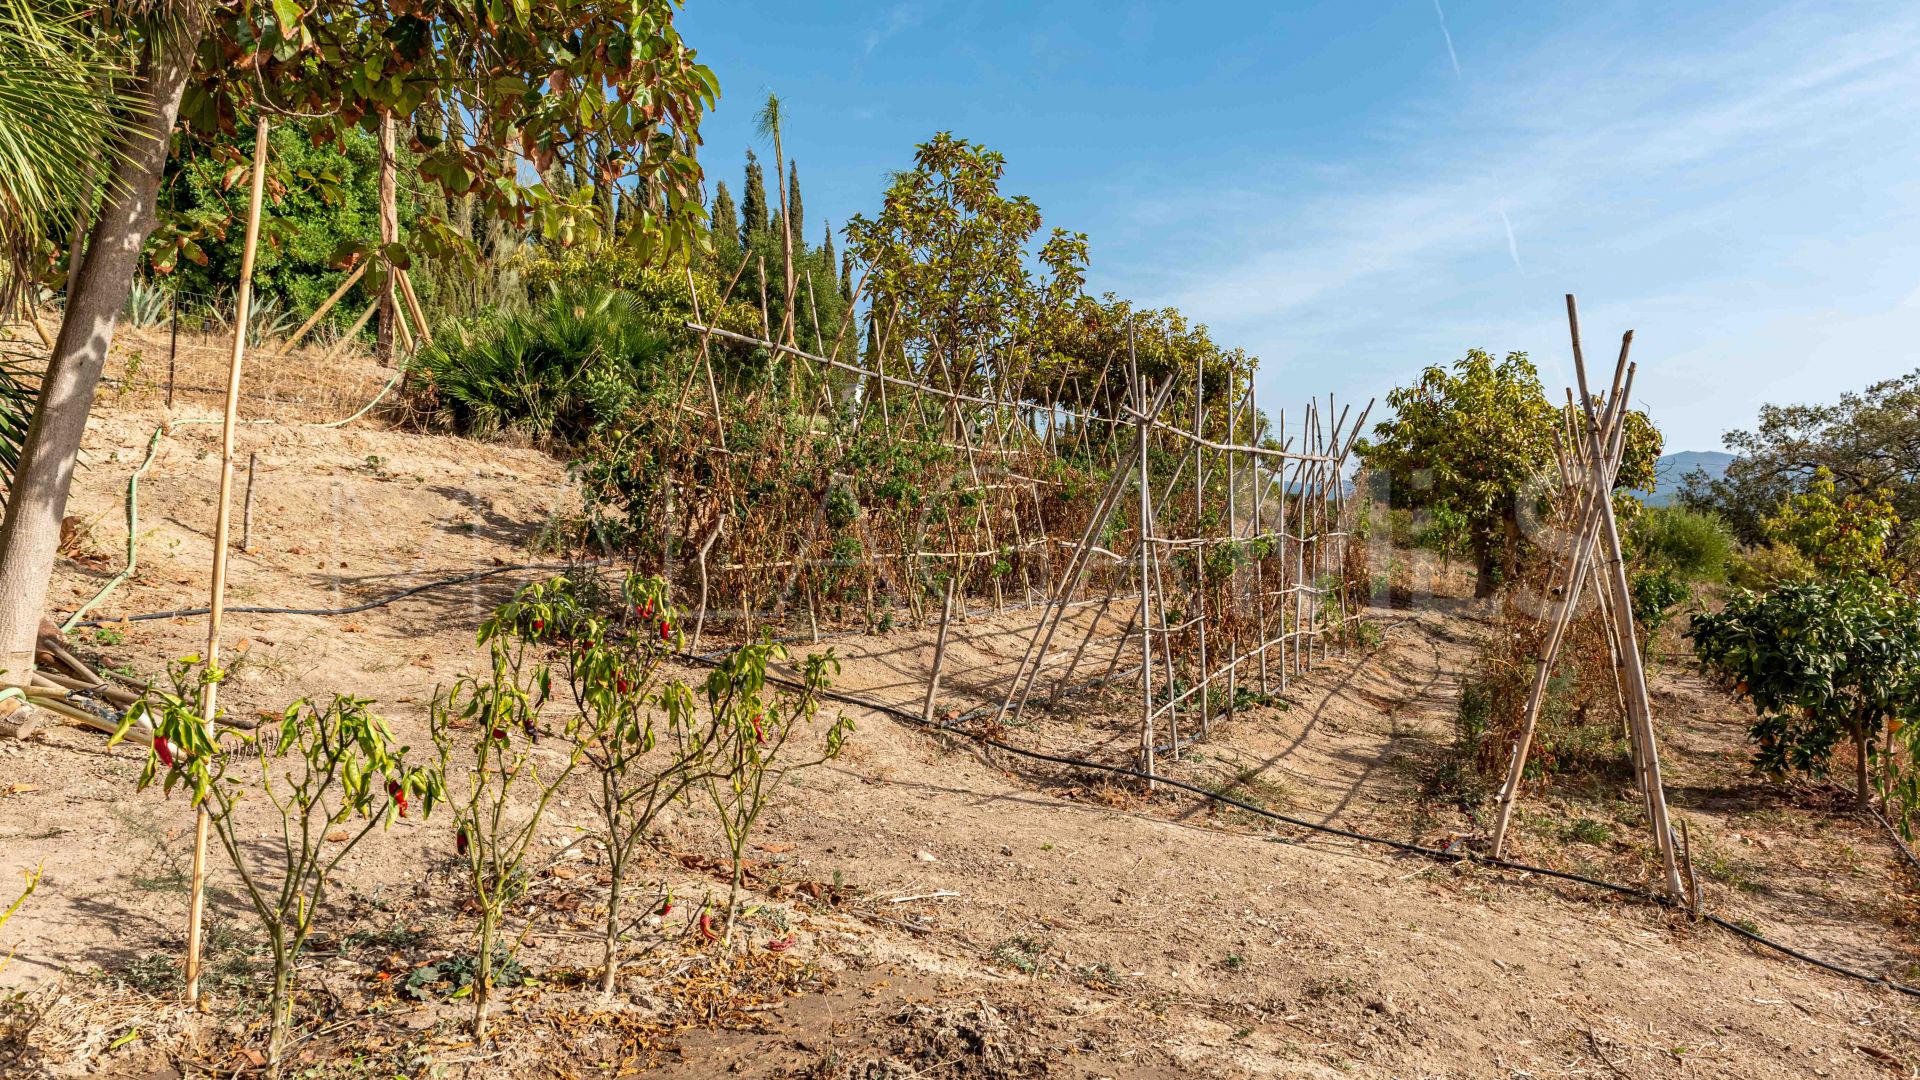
[753, 208]
[726, 217]
[796, 219]
[826, 246]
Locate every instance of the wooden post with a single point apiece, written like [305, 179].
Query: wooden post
[1146, 589]
[413, 305]
[1200, 551]
[246, 505]
[389, 226]
[209, 708]
[940, 649]
[173, 345]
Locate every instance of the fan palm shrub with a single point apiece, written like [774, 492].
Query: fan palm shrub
[552, 372]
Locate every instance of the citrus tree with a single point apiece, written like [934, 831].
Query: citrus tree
[1822, 662]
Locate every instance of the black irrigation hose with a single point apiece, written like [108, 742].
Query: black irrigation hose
[1437, 854]
[354, 610]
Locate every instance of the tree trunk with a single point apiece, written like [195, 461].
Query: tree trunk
[610, 972]
[483, 978]
[1485, 573]
[1862, 793]
[30, 535]
[389, 233]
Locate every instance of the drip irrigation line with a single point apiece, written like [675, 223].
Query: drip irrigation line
[354, 610]
[1436, 854]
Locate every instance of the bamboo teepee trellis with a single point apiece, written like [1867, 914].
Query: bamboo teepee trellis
[1589, 457]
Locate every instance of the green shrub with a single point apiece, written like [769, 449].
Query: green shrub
[1694, 546]
[1657, 591]
[1765, 568]
[553, 372]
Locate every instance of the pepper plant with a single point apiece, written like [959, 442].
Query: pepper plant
[762, 724]
[327, 770]
[1821, 661]
[499, 778]
[646, 742]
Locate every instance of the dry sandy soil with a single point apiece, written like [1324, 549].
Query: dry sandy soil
[955, 914]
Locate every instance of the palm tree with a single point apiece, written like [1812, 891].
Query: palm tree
[773, 118]
[53, 118]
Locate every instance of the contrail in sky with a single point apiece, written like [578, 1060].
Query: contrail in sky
[1513, 246]
[1445, 33]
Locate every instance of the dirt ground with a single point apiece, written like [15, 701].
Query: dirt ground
[952, 914]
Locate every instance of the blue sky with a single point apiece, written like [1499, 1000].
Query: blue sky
[1351, 191]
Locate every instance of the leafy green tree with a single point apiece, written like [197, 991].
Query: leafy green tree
[323, 201]
[1869, 441]
[1476, 440]
[1841, 535]
[948, 261]
[1822, 662]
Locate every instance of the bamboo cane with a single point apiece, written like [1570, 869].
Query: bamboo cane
[196, 908]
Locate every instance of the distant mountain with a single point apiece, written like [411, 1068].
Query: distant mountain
[1671, 469]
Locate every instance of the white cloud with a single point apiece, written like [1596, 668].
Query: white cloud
[1653, 171]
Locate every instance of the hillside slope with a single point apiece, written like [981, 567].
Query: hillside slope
[956, 913]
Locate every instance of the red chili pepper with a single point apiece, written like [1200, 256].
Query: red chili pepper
[645, 610]
[759, 735]
[500, 734]
[780, 944]
[666, 631]
[539, 625]
[398, 794]
[706, 927]
[621, 684]
[666, 908]
[460, 840]
[533, 733]
[163, 751]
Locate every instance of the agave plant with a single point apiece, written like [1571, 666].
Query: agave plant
[267, 318]
[147, 304]
[553, 371]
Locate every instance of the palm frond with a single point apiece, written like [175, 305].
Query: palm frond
[55, 115]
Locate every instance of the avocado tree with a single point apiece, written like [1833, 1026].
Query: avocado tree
[948, 262]
[1822, 662]
[1472, 440]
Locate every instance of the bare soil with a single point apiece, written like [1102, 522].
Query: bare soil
[954, 913]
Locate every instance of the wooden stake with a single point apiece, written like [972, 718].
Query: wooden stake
[939, 649]
[359, 324]
[209, 708]
[246, 505]
[326, 306]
